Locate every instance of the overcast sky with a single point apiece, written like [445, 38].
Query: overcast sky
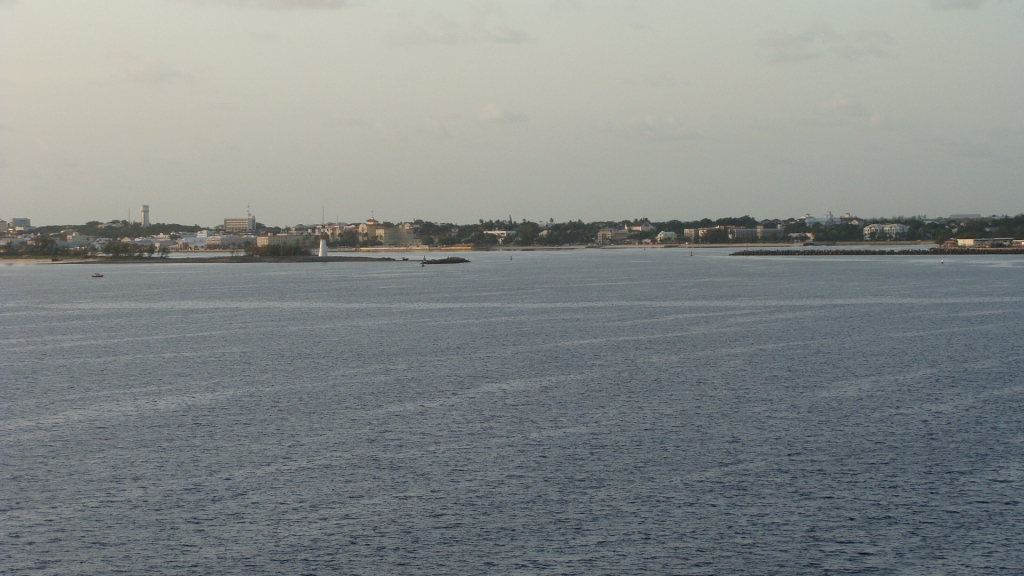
[460, 110]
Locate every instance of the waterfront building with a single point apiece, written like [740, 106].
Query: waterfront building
[891, 230]
[644, 226]
[828, 221]
[974, 242]
[395, 235]
[612, 235]
[243, 225]
[666, 236]
[332, 229]
[502, 235]
[766, 233]
[279, 239]
[369, 228]
[223, 241]
[740, 233]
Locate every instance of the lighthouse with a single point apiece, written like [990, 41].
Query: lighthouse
[323, 248]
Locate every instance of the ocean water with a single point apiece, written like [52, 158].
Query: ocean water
[578, 412]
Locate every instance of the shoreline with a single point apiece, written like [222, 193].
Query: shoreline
[227, 260]
[909, 252]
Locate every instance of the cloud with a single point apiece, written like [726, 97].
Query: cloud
[881, 121]
[434, 127]
[841, 105]
[495, 115]
[844, 107]
[506, 35]
[655, 81]
[822, 40]
[965, 148]
[142, 70]
[956, 4]
[440, 30]
[278, 4]
[652, 129]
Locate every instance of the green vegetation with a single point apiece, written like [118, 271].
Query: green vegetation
[46, 240]
[119, 229]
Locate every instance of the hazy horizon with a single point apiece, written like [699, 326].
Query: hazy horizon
[467, 110]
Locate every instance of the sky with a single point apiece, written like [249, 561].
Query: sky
[456, 111]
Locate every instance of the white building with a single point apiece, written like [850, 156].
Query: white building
[502, 235]
[828, 221]
[891, 230]
[666, 236]
[641, 227]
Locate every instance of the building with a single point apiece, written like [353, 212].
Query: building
[666, 236]
[698, 234]
[828, 221]
[145, 215]
[3, 226]
[243, 225]
[644, 226]
[612, 235]
[891, 230]
[369, 228]
[395, 235]
[224, 241]
[741, 234]
[975, 242]
[502, 235]
[279, 239]
[774, 233]
[21, 223]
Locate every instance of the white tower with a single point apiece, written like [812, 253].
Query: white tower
[145, 215]
[323, 248]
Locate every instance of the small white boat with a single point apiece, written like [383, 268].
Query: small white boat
[97, 275]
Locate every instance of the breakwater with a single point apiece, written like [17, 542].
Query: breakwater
[909, 252]
[227, 260]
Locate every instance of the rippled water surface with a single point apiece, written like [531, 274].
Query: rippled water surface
[582, 412]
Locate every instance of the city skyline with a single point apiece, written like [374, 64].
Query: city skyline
[468, 110]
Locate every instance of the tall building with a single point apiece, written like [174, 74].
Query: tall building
[21, 223]
[145, 215]
[247, 224]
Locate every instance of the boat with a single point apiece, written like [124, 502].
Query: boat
[97, 275]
